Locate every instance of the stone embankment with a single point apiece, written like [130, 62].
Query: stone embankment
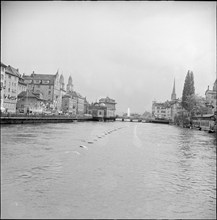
[32, 119]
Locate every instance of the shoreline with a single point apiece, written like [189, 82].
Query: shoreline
[33, 119]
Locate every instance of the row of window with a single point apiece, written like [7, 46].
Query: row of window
[37, 81]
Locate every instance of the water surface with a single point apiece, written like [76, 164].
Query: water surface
[107, 170]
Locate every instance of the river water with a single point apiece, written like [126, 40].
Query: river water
[127, 170]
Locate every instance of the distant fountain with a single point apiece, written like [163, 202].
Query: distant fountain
[128, 112]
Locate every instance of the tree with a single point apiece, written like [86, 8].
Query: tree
[197, 105]
[146, 115]
[188, 90]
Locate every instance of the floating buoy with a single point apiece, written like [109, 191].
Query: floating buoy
[82, 146]
[90, 142]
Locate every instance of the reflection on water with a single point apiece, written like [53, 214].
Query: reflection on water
[107, 170]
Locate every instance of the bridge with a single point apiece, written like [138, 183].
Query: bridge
[134, 119]
[130, 119]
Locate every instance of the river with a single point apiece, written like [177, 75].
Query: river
[107, 170]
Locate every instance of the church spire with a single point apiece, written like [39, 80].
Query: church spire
[173, 96]
[69, 85]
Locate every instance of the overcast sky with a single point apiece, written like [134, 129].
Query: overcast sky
[129, 51]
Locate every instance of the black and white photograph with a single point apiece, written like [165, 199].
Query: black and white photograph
[108, 109]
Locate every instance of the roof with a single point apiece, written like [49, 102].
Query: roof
[107, 100]
[28, 94]
[66, 96]
[75, 94]
[12, 71]
[21, 81]
[204, 116]
[49, 77]
[2, 64]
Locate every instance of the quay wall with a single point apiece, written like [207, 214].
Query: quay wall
[42, 119]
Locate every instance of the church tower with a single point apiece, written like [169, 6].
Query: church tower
[62, 84]
[173, 96]
[69, 85]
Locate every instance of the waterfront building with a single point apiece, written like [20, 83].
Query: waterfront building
[62, 88]
[69, 104]
[161, 110]
[110, 106]
[211, 97]
[98, 111]
[80, 102]
[12, 77]
[48, 85]
[2, 87]
[30, 102]
[86, 106]
[73, 100]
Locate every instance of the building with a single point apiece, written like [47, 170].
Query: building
[30, 102]
[62, 88]
[98, 111]
[12, 77]
[110, 106]
[22, 86]
[2, 87]
[211, 97]
[73, 102]
[69, 104]
[86, 106]
[79, 102]
[49, 85]
[161, 110]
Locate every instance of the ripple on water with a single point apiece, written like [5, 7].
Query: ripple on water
[173, 174]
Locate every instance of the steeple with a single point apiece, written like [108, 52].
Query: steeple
[69, 85]
[173, 96]
[62, 84]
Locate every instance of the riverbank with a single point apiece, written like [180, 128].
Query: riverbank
[32, 119]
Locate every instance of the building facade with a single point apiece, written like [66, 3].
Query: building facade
[12, 77]
[211, 97]
[77, 100]
[28, 102]
[2, 86]
[98, 111]
[22, 86]
[48, 85]
[161, 110]
[110, 106]
[69, 104]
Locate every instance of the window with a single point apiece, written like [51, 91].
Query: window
[49, 92]
[8, 89]
[27, 81]
[45, 81]
[37, 81]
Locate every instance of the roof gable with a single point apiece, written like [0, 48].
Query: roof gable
[12, 71]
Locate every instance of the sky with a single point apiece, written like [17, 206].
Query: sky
[126, 50]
